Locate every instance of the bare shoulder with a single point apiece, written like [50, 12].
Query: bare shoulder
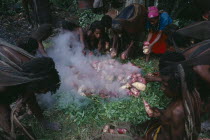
[178, 111]
[200, 68]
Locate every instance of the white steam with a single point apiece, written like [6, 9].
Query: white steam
[90, 74]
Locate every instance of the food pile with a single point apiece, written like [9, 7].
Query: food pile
[117, 79]
[117, 131]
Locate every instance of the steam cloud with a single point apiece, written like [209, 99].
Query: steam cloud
[94, 74]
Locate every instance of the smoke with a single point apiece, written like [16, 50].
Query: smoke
[82, 74]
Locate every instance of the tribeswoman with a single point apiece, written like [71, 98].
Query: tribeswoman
[106, 21]
[97, 40]
[41, 34]
[181, 118]
[22, 76]
[28, 44]
[75, 29]
[156, 40]
[198, 62]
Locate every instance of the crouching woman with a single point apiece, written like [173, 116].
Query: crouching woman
[181, 119]
[36, 76]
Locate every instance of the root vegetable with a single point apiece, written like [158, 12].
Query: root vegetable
[139, 86]
[135, 92]
[130, 93]
[111, 131]
[113, 53]
[82, 93]
[146, 51]
[133, 80]
[133, 75]
[124, 55]
[141, 80]
[148, 108]
[94, 65]
[126, 86]
[122, 131]
[128, 77]
[120, 77]
[110, 78]
[123, 81]
[138, 75]
[106, 128]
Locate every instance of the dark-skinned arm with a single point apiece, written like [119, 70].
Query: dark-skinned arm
[41, 49]
[34, 106]
[149, 36]
[150, 78]
[178, 124]
[203, 71]
[82, 40]
[156, 39]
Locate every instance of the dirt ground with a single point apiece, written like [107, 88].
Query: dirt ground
[15, 26]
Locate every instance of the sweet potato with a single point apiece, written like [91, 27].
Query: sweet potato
[126, 86]
[135, 92]
[139, 86]
[106, 129]
[148, 108]
[141, 80]
[133, 80]
[122, 130]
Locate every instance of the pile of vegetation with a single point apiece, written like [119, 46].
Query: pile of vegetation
[86, 121]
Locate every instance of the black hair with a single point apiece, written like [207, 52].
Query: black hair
[174, 81]
[69, 25]
[43, 32]
[28, 44]
[175, 77]
[170, 58]
[106, 21]
[96, 25]
[44, 70]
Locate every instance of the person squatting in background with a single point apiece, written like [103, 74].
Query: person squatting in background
[34, 43]
[156, 40]
[75, 29]
[181, 118]
[96, 38]
[41, 34]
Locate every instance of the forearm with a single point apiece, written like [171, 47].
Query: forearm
[149, 36]
[107, 45]
[82, 40]
[100, 46]
[34, 107]
[156, 39]
[153, 78]
[41, 49]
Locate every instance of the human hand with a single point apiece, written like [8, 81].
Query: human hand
[146, 43]
[146, 49]
[113, 53]
[90, 53]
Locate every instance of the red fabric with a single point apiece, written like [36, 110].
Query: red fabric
[85, 4]
[160, 46]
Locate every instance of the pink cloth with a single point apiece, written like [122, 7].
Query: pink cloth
[153, 12]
